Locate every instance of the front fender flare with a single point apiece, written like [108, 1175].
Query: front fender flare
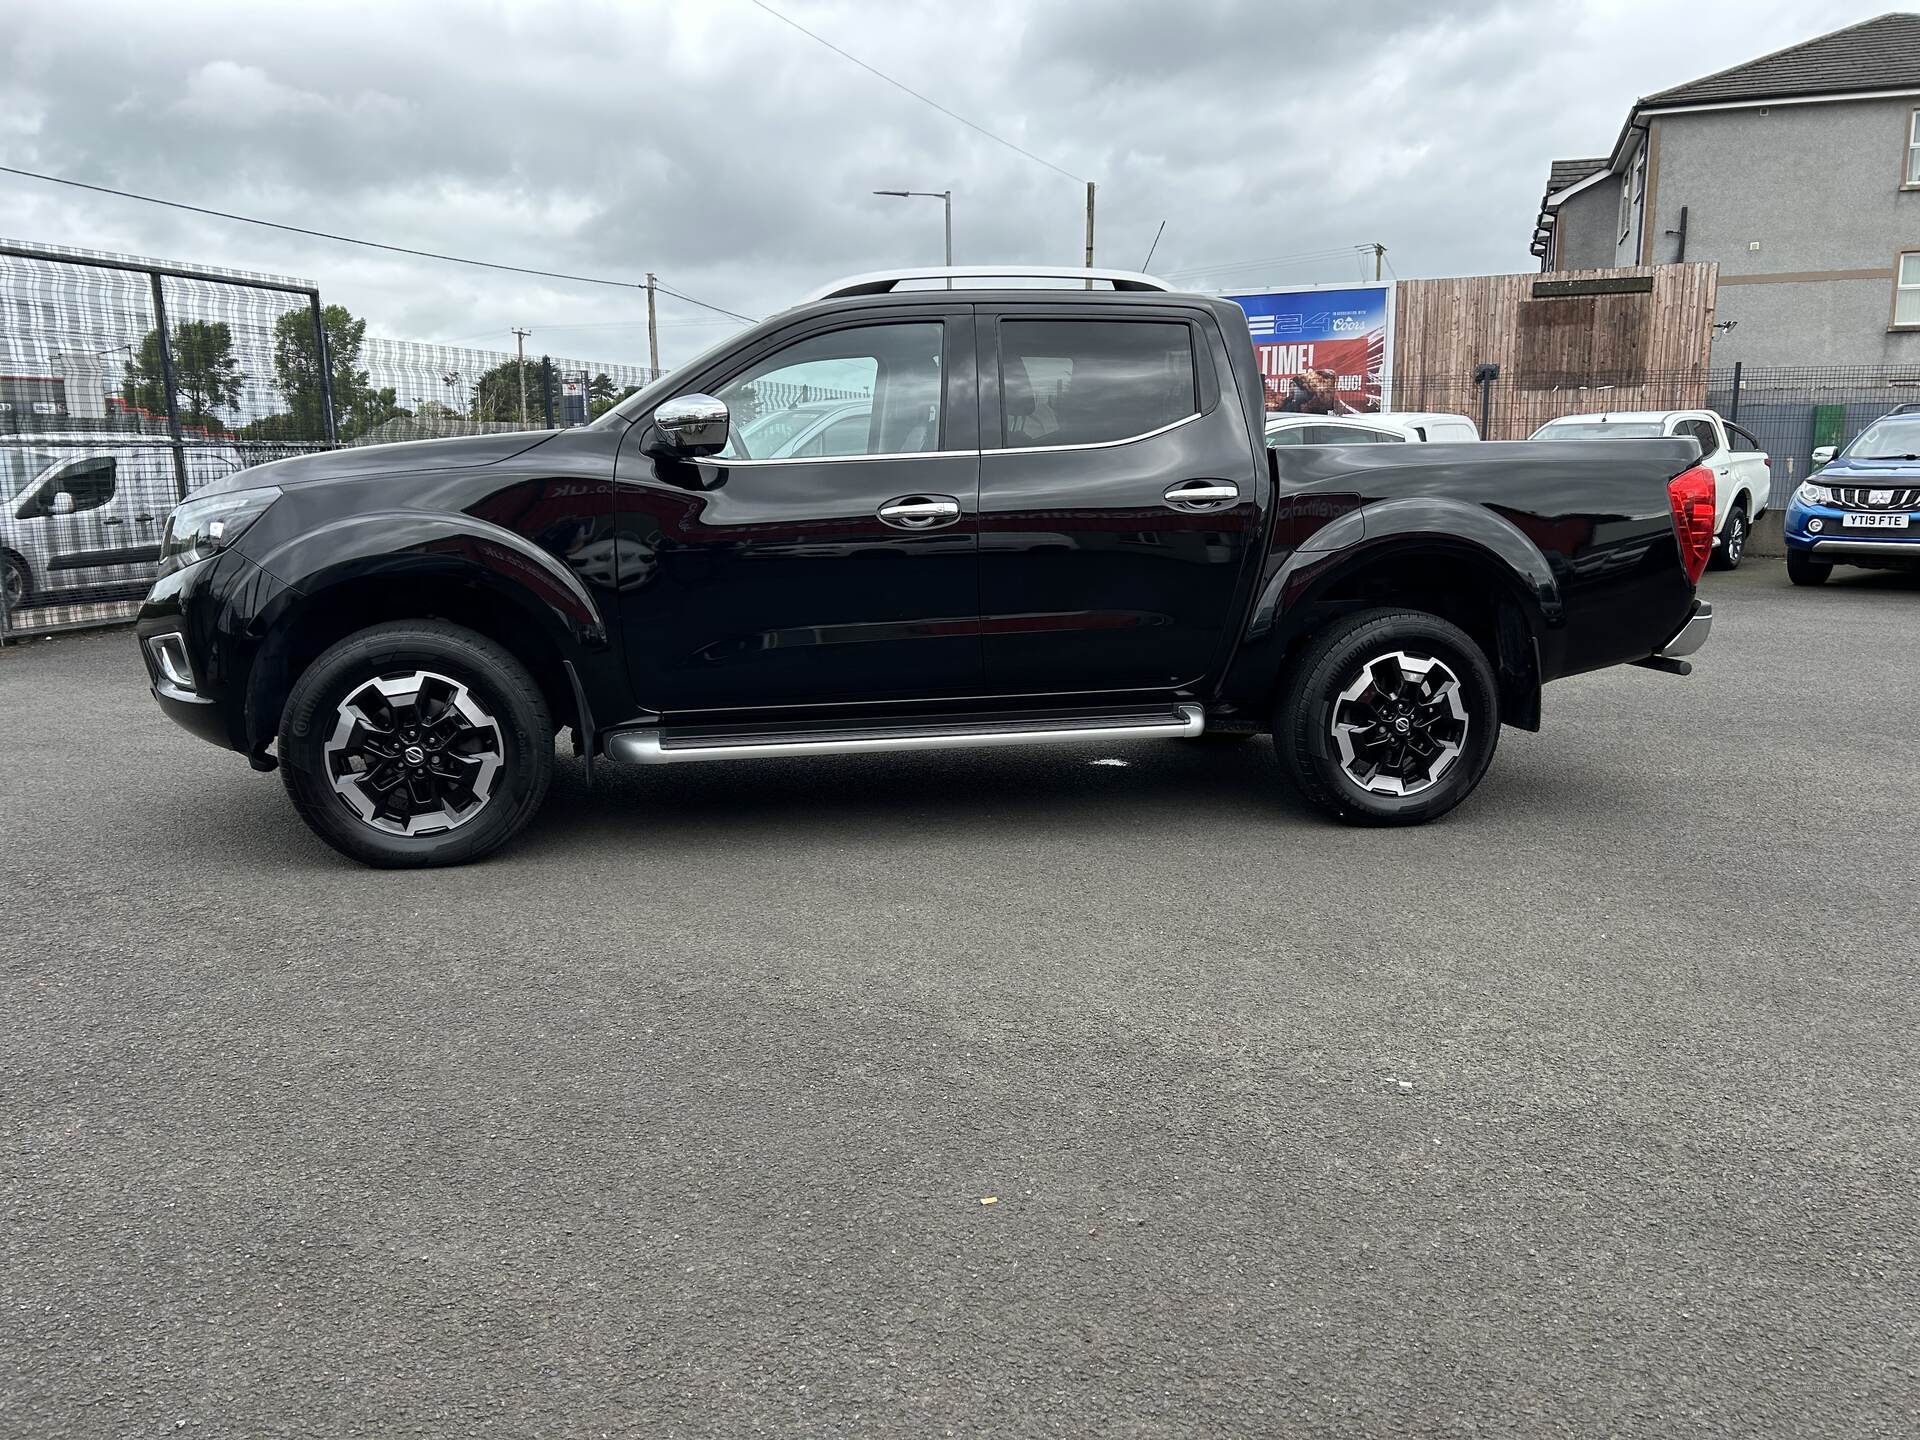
[409, 544]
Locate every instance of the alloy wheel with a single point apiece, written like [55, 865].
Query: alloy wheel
[1401, 725]
[414, 753]
[1736, 538]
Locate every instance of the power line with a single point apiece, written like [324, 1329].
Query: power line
[369, 244]
[881, 74]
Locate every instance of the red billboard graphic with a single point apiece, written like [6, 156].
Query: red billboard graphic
[1321, 351]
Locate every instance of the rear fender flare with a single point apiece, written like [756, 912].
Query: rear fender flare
[1435, 527]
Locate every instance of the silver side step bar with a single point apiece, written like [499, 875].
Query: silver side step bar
[655, 747]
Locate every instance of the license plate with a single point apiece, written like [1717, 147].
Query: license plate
[1874, 522]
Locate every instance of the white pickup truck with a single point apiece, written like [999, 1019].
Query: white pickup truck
[1742, 471]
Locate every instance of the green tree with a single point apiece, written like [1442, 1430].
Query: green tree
[496, 394]
[600, 401]
[296, 366]
[206, 377]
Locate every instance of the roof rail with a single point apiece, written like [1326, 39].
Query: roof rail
[880, 282]
[1907, 409]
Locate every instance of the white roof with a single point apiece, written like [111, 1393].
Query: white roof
[1633, 416]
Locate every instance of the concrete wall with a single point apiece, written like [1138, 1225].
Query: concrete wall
[1818, 186]
[1584, 230]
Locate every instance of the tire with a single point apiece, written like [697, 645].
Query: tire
[1452, 705]
[1733, 539]
[17, 576]
[1803, 569]
[416, 691]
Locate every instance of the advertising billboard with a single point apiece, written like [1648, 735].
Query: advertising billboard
[1323, 349]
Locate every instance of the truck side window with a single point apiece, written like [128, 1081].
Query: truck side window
[90, 482]
[1085, 382]
[1345, 435]
[868, 390]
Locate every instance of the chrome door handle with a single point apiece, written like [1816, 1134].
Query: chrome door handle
[920, 512]
[1201, 494]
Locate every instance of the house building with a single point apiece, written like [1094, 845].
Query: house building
[1797, 173]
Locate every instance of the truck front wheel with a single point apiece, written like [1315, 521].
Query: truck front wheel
[1389, 718]
[416, 743]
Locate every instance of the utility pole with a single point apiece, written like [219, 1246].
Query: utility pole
[1089, 261]
[520, 364]
[1379, 254]
[653, 331]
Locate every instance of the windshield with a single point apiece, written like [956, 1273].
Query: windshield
[20, 468]
[1895, 437]
[1599, 430]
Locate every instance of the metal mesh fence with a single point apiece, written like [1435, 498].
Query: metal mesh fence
[125, 385]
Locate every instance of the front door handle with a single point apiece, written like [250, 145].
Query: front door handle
[1201, 494]
[920, 512]
[111, 520]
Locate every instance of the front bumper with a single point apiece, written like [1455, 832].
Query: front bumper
[1690, 636]
[197, 639]
[1835, 540]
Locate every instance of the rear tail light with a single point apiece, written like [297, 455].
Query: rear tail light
[1690, 493]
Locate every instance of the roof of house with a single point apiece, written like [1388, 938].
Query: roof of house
[1562, 174]
[1878, 54]
[1571, 172]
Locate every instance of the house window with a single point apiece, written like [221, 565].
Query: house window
[1913, 149]
[1906, 290]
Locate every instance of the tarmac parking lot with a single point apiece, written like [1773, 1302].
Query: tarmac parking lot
[998, 1091]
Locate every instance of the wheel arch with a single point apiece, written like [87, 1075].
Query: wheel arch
[447, 585]
[1508, 608]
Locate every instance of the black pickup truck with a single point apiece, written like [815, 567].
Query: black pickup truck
[896, 518]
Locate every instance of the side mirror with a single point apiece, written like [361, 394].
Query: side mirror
[1823, 454]
[62, 504]
[693, 425]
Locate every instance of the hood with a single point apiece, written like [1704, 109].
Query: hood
[1856, 467]
[459, 453]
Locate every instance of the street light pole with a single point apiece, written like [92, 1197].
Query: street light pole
[946, 198]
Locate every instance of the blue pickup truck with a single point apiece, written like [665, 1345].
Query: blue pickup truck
[1862, 507]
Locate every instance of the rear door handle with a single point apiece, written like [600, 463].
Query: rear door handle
[920, 512]
[111, 520]
[1201, 494]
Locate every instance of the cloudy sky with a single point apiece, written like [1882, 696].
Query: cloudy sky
[713, 144]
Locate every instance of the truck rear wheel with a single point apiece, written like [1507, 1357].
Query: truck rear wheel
[1733, 539]
[1389, 718]
[416, 743]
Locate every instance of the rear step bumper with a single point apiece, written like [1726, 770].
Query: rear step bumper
[657, 746]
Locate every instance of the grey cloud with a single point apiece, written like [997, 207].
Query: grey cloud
[718, 147]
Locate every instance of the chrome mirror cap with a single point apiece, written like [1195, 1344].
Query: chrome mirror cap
[693, 424]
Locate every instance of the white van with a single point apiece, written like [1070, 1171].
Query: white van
[1437, 427]
[84, 512]
[1390, 427]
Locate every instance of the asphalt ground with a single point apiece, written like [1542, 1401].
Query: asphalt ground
[1589, 1110]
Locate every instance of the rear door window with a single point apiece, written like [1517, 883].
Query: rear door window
[1091, 382]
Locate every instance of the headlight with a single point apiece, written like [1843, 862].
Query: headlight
[206, 526]
[1812, 494]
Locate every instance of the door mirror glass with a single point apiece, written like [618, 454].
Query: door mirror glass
[693, 424]
[1823, 454]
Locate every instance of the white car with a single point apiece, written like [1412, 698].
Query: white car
[1390, 427]
[1742, 471]
[84, 512]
